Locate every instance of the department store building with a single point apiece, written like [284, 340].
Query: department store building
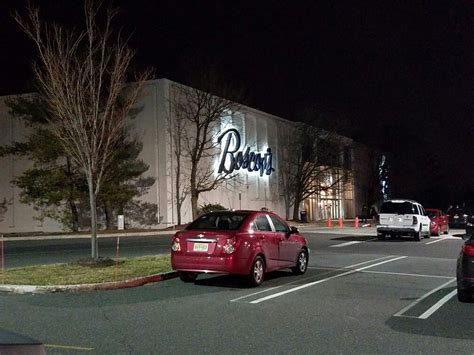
[257, 185]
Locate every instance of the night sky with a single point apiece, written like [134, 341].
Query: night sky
[397, 75]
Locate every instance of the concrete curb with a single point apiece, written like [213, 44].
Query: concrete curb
[135, 282]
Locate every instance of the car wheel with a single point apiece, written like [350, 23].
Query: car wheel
[447, 230]
[187, 276]
[301, 264]
[257, 271]
[464, 296]
[418, 235]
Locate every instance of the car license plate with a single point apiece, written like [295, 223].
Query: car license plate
[202, 247]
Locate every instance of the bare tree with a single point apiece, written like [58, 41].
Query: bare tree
[82, 77]
[181, 183]
[309, 163]
[199, 114]
[3, 209]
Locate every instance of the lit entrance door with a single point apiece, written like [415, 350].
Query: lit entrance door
[331, 208]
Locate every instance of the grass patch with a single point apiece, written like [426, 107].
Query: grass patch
[77, 273]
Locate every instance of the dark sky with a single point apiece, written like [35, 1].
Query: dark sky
[396, 75]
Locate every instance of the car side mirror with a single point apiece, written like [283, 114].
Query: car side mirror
[293, 230]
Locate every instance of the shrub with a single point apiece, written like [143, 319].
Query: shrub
[209, 207]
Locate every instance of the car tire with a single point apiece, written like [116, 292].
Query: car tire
[464, 296]
[301, 263]
[257, 271]
[187, 276]
[447, 230]
[419, 235]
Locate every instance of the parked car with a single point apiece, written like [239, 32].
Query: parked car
[439, 221]
[403, 217]
[465, 270]
[458, 217]
[248, 243]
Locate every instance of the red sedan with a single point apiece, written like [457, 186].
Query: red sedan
[439, 221]
[238, 242]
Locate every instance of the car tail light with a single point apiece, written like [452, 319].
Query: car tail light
[415, 220]
[230, 245]
[468, 249]
[175, 246]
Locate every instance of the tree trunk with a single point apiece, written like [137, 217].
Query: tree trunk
[194, 203]
[93, 205]
[287, 211]
[296, 208]
[177, 194]
[109, 222]
[74, 215]
[70, 201]
[178, 212]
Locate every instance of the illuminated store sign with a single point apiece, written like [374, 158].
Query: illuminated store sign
[232, 159]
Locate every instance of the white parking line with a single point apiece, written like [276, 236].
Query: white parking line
[404, 274]
[255, 293]
[438, 304]
[435, 241]
[350, 266]
[345, 244]
[411, 305]
[324, 280]
[351, 243]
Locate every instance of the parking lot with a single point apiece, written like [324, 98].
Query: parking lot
[359, 295]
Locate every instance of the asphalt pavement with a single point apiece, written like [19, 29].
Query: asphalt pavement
[359, 295]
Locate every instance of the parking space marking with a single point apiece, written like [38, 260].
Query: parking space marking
[435, 241]
[346, 244]
[255, 293]
[413, 304]
[405, 274]
[438, 305]
[325, 279]
[67, 347]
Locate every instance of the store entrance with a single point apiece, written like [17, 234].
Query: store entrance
[330, 208]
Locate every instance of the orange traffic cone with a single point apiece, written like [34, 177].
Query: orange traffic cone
[340, 222]
[356, 222]
[329, 222]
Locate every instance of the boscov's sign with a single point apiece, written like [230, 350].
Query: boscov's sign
[233, 159]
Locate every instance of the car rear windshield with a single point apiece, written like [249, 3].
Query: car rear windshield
[399, 208]
[219, 221]
[432, 214]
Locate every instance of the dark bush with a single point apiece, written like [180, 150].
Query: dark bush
[209, 207]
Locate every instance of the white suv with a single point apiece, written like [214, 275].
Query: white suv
[403, 217]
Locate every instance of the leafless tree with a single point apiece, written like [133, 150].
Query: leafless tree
[181, 179]
[199, 114]
[82, 77]
[308, 164]
[3, 209]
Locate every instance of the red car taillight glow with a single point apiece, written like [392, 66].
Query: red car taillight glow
[230, 245]
[468, 249]
[175, 245]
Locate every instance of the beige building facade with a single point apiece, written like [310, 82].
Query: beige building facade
[259, 131]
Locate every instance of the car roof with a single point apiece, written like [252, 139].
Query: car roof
[398, 200]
